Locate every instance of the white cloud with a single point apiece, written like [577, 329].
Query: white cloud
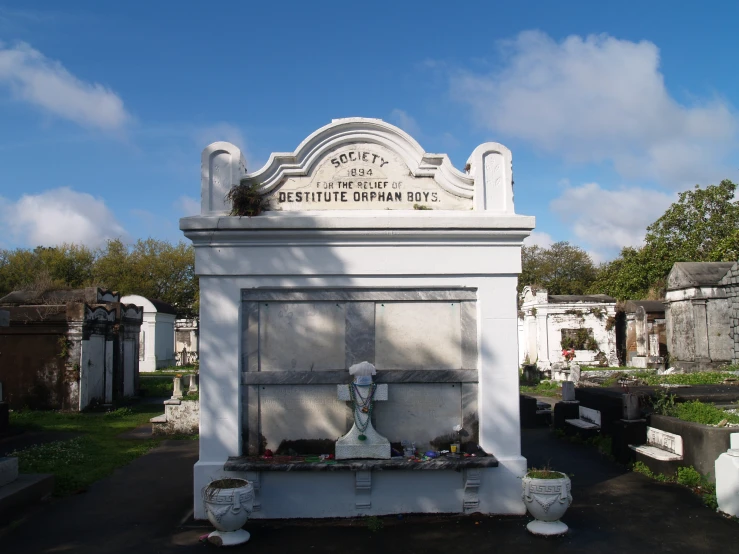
[42, 82]
[406, 122]
[221, 132]
[60, 216]
[537, 238]
[607, 220]
[600, 99]
[187, 205]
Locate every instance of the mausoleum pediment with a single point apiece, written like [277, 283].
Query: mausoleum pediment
[363, 164]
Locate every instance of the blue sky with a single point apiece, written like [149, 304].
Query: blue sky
[610, 111]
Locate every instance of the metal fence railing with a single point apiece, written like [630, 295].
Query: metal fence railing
[186, 357]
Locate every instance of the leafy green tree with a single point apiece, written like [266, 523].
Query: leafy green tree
[17, 268]
[702, 226]
[562, 268]
[69, 264]
[151, 268]
[634, 274]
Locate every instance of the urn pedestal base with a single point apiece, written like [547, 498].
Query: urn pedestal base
[228, 538]
[547, 528]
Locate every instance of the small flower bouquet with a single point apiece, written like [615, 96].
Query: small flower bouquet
[568, 354]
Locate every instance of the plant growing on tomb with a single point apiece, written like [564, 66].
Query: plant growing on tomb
[247, 200]
[578, 339]
[663, 403]
[610, 323]
[598, 312]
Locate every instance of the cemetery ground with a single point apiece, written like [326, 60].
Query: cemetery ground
[117, 494]
[79, 448]
[145, 506]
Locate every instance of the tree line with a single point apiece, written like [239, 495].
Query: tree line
[702, 226]
[151, 268]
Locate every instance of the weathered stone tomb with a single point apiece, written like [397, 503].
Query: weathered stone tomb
[546, 321]
[373, 250]
[698, 310]
[69, 349]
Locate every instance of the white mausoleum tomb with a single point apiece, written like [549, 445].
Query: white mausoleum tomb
[545, 320]
[156, 341]
[373, 251]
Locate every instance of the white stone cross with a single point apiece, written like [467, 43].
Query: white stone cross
[374, 445]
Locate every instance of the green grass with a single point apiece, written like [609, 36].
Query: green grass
[177, 370]
[698, 378]
[155, 386]
[600, 368]
[95, 454]
[545, 388]
[698, 412]
[686, 476]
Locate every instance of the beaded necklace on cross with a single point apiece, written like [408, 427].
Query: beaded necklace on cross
[364, 405]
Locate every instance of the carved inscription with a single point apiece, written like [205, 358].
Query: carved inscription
[364, 176]
[664, 440]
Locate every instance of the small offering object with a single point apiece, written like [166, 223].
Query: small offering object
[268, 453]
[431, 454]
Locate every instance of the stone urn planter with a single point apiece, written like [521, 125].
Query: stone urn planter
[228, 504]
[547, 496]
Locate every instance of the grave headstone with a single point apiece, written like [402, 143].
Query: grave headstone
[568, 391]
[177, 389]
[575, 373]
[727, 478]
[631, 407]
[362, 440]
[193, 388]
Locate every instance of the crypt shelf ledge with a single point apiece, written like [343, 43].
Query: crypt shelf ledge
[250, 463]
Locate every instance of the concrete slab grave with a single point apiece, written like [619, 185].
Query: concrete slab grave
[661, 445]
[372, 250]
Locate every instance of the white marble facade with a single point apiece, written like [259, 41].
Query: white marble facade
[156, 341]
[544, 317]
[358, 241]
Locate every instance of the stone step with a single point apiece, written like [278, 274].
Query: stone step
[656, 453]
[159, 419]
[582, 424]
[8, 470]
[24, 492]
[661, 445]
[589, 419]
